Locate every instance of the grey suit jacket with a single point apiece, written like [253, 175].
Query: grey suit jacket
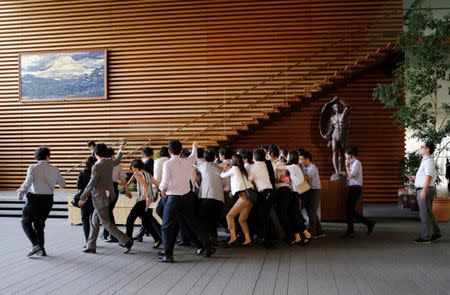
[101, 181]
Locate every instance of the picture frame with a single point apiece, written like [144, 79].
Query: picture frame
[68, 75]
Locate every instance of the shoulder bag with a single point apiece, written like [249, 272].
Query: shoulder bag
[250, 192]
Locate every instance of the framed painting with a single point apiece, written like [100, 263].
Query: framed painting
[62, 75]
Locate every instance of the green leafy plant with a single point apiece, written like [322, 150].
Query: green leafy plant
[425, 45]
[410, 163]
[132, 187]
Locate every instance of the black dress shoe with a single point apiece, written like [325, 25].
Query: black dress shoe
[422, 241]
[128, 246]
[436, 237]
[43, 253]
[370, 227]
[165, 259]
[157, 244]
[139, 239]
[112, 240]
[34, 250]
[210, 252]
[89, 250]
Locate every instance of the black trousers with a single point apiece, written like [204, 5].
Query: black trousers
[112, 205]
[311, 201]
[160, 207]
[86, 213]
[181, 208]
[210, 212]
[296, 214]
[34, 214]
[139, 210]
[185, 233]
[354, 194]
[288, 211]
[264, 204]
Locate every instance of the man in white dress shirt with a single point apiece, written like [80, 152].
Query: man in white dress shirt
[354, 181]
[175, 185]
[426, 191]
[38, 188]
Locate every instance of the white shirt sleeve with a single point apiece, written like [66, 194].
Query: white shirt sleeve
[165, 179]
[354, 168]
[28, 181]
[228, 173]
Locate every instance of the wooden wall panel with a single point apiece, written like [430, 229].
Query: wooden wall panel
[379, 140]
[170, 62]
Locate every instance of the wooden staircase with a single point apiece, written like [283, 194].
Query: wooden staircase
[237, 116]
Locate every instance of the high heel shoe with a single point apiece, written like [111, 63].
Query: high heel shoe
[247, 245]
[306, 241]
[296, 242]
[233, 244]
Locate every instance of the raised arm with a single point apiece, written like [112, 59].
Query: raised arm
[119, 157]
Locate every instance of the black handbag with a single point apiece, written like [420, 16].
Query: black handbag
[76, 198]
[250, 192]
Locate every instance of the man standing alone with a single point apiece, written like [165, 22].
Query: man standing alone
[355, 181]
[39, 188]
[426, 191]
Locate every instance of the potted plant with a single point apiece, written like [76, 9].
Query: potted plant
[424, 67]
[410, 163]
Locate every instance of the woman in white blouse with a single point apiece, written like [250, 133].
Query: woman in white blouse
[296, 217]
[239, 183]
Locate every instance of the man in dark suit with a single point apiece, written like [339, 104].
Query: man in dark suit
[102, 191]
[147, 158]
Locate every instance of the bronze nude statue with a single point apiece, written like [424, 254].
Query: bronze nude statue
[333, 127]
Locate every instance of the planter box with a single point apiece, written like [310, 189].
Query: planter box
[121, 211]
[441, 209]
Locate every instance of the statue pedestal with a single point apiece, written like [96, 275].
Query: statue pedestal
[334, 200]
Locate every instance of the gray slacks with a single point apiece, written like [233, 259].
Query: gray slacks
[102, 215]
[429, 225]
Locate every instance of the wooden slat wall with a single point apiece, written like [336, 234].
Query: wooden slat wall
[379, 140]
[169, 63]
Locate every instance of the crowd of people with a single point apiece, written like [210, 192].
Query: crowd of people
[257, 196]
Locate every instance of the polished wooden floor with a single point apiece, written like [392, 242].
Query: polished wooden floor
[385, 263]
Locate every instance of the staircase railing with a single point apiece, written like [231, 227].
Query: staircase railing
[284, 72]
[273, 92]
[146, 142]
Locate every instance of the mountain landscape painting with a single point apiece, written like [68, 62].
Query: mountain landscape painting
[62, 75]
